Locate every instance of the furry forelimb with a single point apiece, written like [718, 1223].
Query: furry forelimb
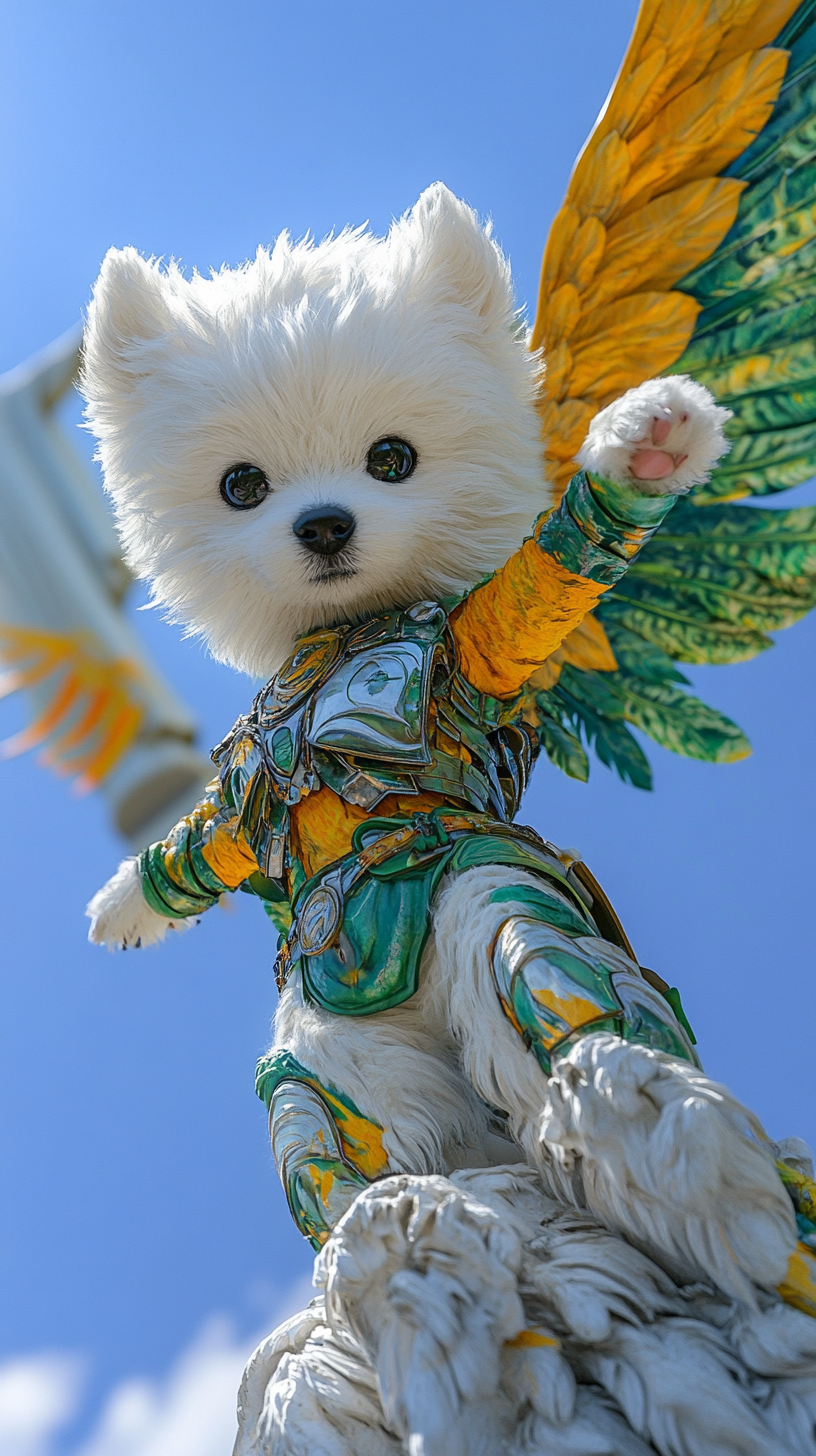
[424, 1277]
[120, 916]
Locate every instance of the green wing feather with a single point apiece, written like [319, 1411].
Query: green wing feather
[754, 342]
[714, 582]
[584, 704]
[717, 578]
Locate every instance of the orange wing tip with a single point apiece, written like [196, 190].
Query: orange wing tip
[112, 749]
[646, 204]
[92, 716]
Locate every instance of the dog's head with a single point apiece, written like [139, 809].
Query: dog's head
[322, 434]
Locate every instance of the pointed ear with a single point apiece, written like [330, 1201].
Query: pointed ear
[453, 254]
[130, 310]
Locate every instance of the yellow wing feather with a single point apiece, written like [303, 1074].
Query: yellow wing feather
[587, 647]
[646, 204]
[93, 712]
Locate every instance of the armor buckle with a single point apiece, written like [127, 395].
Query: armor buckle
[319, 920]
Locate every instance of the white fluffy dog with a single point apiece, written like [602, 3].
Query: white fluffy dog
[296, 362]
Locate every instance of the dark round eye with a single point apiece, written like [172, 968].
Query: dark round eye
[391, 460]
[244, 486]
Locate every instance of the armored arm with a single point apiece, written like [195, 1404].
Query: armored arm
[507, 627]
[173, 881]
[205, 854]
[643, 451]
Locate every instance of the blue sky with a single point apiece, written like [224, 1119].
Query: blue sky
[139, 1199]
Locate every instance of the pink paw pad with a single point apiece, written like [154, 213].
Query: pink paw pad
[652, 463]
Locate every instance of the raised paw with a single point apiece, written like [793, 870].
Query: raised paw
[655, 458]
[663, 438]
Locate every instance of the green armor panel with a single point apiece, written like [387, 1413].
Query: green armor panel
[555, 989]
[354, 709]
[319, 1183]
[358, 935]
[360, 1136]
[375, 705]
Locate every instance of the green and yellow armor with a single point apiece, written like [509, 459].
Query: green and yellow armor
[382, 756]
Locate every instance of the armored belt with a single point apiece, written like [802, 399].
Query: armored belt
[360, 926]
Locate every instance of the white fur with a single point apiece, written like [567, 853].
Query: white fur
[298, 362]
[120, 916]
[401, 1070]
[426, 1279]
[666, 1156]
[648, 1244]
[320, 1399]
[673, 1161]
[696, 432]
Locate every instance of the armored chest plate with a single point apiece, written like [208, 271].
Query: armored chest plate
[357, 709]
[375, 705]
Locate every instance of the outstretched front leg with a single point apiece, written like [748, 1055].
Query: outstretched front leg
[641, 453]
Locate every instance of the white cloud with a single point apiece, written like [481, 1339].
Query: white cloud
[192, 1413]
[38, 1395]
[189, 1413]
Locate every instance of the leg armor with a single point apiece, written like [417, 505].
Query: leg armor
[555, 988]
[325, 1150]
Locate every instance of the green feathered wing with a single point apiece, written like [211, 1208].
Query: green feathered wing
[718, 577]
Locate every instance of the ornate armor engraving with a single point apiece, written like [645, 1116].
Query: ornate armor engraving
[375, 705]
[319, 920]
[369, 711]
[319, 1182]
[313, 659]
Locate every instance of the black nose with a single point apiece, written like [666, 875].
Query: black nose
[325, 530]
